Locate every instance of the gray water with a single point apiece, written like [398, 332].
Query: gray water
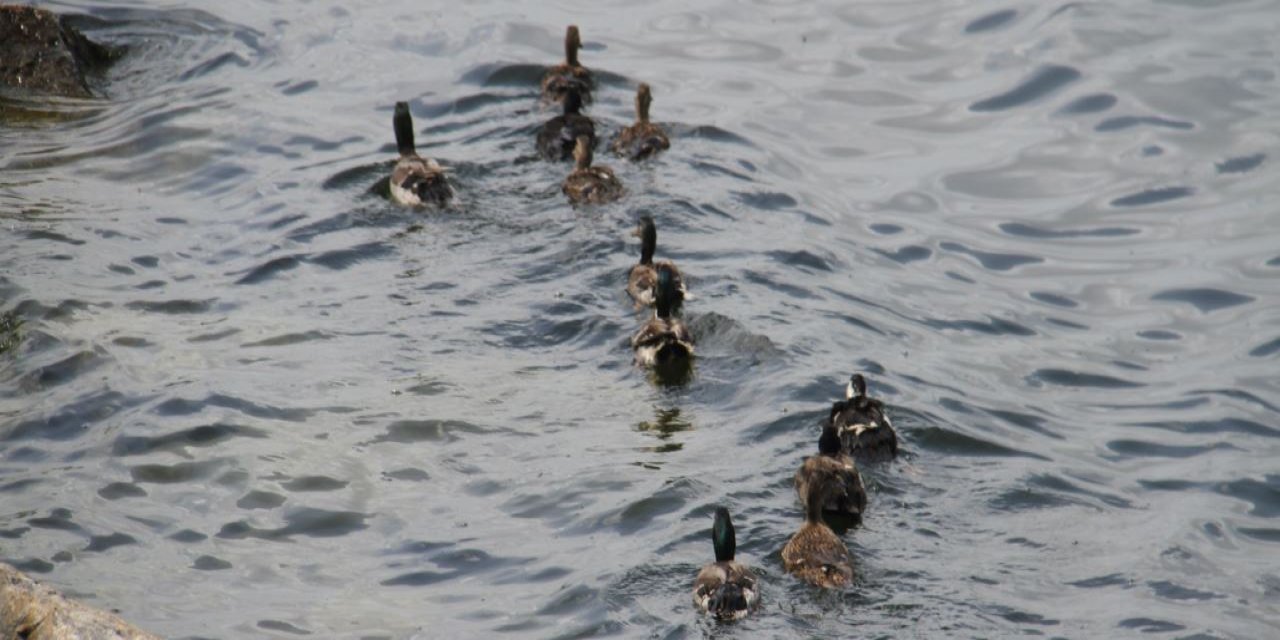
[251, 397]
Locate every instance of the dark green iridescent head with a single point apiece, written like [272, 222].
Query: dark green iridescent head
[722, 536]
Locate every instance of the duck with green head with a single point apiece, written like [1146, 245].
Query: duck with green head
[815, 553]
[570, 74]
[644, 275]
[644, 138]
[559, 135]
[725, 588]
[415, 180]
[840, 485]
[589, 184]
[864, 427]
[664, 339]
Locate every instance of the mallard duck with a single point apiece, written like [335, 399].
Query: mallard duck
[815, 553]
[642, 277]
[724, 588]
[588, 184]
[415, 180]
[644, 138]
[569, 74]
[663, 339]
[841, 489]
[560, 134]
[864, 427]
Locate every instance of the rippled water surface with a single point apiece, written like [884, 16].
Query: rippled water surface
[251, 397]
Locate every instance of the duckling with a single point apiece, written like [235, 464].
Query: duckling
[841, 489]
[642, 277]
[415, 180]
[642, 139]
[815, 553]
[663, 339]
[864, 427]
[569, 74]
[559, 135]
[725, 588]
[588, 184]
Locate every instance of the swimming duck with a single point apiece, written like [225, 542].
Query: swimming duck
[569, 74]
[588, 184]
[815, 553]
[643, 276]
[864, 427]
[415, 180]
[663, 339]
[841, 489]
[725, 588]
[560, 134]
[644, 138]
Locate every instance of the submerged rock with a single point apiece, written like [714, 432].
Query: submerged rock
[34, 611]
[41, 53]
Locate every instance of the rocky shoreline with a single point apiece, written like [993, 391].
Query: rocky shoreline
[32, 611]
[42, 54]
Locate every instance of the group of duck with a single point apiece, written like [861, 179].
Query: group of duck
[419, 181]
[856, 428]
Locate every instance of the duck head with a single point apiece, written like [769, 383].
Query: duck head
[648, 234]
[722, 536]
[582, 153]
[572, 42]
[857, 387]
[643, 99]
[402, 122]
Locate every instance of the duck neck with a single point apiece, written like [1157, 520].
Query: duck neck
[648, 243]
[403, 124]
[642, 107]
[571, 49]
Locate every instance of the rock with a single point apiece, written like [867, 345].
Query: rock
[32, 611]
[41, 53]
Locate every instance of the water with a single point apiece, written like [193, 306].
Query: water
[253, 398]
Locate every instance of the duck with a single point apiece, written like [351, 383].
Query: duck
[642, 139]
[560, 134]
[644, 274]
[664, 339]
[865, 430]
[415, 180]
[815, 554]
[840, 485]
[588, 184]
[569, 74]
[725, 588]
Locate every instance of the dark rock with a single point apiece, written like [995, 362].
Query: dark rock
[34, 611]
[41, 53]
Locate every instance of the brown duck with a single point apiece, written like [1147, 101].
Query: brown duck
[642, 139]
[644, 275]
[588, 184]
[815, 553]
[569, 74]
[865, 430]
[839, 485]
[415, 180]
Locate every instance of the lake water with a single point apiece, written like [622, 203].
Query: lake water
[253, 398]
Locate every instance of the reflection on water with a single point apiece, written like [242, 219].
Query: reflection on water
[227, 360]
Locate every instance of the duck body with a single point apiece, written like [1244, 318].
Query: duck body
[865, 429]
[569, 75]
[839, 485]
[664, 341]
[559, 135]
[415, 180]
[643, 277]
[643, 139]
[815, 554]
[725, 588]
[590, 184]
